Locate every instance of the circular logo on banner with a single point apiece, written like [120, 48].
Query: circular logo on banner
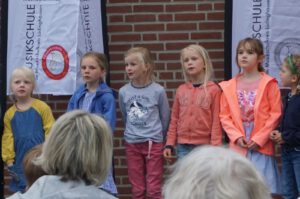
[285, 47]
[52, 61]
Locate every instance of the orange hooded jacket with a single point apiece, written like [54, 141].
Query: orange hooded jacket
[267, 112]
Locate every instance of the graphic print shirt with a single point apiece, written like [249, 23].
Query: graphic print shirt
[145, 111]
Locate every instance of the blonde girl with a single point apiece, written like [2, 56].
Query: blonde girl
[289, 133]
[250, 110]
[96, 97]
[195, 112]
[26, 124]
[145, 109]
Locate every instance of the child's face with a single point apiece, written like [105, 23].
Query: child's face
[193, 63]
[286, 76]
[136, 70]
[22, 87]
[90, 71]
[248, 59]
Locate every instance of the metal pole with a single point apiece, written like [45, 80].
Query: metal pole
[3, 50]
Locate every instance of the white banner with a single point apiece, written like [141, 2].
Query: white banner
[50, 36]
[274, 22]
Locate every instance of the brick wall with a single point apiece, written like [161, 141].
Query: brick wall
[165, 27]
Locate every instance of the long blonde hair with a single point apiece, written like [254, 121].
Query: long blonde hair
[209, 71]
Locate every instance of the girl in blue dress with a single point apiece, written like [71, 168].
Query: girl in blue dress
[26, 124]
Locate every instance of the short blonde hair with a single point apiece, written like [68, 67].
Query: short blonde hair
[22, 71]
[214, 173]
[79, 148]
[145, 57]
[209, 71]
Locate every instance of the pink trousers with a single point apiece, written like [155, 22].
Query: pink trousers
[145, 169]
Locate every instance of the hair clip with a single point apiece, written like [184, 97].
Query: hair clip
[291, 64]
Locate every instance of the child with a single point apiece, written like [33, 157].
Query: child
[250, 110]
[145, 109]
[32, 172]
[26, 124]
[289, 135]
[96, 97]
[76, 157]
[195, 112]
[215, 172]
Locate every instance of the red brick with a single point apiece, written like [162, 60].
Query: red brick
[119, 47]
[189, 17]
[148, 8]
[121, 171]
[174, 66]
[206, 35]
[116, 18]
[173, 36]
[123, 1]
[169, 56]
[219, 6]
[149, 37]
[160, 1]
[211, 25]
[215, 16]
[212, 45]
[61, 105]
[180, 8]
[119, 28]
[126, 37]
[165, 17]
[119, 9]
[205, 7]
[148, 27]
[140, 18]
[173, 85]
[165, 75]
[178, 46]
[181, 26]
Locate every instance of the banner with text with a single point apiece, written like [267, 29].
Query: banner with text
[274, 22]
[50, 36]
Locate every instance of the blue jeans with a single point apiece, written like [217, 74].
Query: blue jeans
[290, 172]
[184, 149]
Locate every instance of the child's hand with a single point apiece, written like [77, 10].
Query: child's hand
[276, 137]
[273, 135]
[12, 173]
[242, 142]
[252, 145]
[168, 154]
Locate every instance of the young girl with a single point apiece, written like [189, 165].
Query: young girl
[96, 97]
[289, 135]
[195, 112]
[145, 109]
[250, 110]
[26, 124]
